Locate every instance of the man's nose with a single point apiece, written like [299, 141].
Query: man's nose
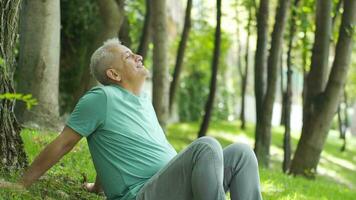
[138, 58]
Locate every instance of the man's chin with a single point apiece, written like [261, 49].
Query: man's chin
[146, 74]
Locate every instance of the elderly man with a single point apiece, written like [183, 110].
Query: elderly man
[131, 154]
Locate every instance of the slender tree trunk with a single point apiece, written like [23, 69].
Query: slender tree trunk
[261, 56]
[314, 134]
[283, 92]
[343, 121]
[288, 95]
[12, 154]
[263, 126]
[343, 148]
[337, 12]
[124, 33]
[304, 58]
[112, 16]
[214, 68]
[160, 68]
[342, 128]
[245, 75]
[38, 69]
[146, 32]
[180, 54]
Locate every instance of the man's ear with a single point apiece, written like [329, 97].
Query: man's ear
[113, 74]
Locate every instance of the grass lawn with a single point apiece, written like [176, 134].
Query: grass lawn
[336, 179]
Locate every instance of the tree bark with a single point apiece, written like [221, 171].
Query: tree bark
[263, 126]
[314, 134]
[214, 68]
[12, 154]
[160, 68]
[180, 54]
[146, 32]
[38, 69]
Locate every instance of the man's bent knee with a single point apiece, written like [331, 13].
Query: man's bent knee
[243, 151]
[211, 142]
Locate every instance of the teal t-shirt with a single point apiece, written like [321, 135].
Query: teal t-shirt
[126, 142]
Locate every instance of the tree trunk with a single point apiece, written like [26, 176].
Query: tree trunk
[337, 12]
[260, 61]
[180, 54]
[263, 126]
[342, 127]
[146, 32]
[346, 122]
[343, 120]
[112, 16]
[160, 68]
[214, 68]
[12, 154]
[314, 134]
[289, 93]
[261, 56]
[245, 75]
[124, 33]
[317, 76]
[283, 92]
[38, 69]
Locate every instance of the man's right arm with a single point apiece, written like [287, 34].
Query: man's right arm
[50, 155]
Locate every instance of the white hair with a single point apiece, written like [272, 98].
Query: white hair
[103, 58]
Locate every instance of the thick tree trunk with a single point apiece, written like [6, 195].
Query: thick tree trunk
[263, 126]
[180, 54]
[146, 32]
[289, 93]
[314, 134]
[112, 16]
[160, 68]
[317, 76]
[12, 154]
[214, 68]
[38, 71]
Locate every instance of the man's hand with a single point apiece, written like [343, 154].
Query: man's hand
[12, 186]
[92, 187]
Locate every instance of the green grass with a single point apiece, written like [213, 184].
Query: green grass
[336, 180]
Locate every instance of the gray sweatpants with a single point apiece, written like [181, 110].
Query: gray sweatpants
[205, 171]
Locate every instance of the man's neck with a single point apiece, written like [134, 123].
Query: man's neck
[135, 89]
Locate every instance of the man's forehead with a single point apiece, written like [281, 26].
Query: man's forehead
[124, 49]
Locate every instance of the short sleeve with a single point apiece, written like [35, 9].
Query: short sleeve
[90, 112]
